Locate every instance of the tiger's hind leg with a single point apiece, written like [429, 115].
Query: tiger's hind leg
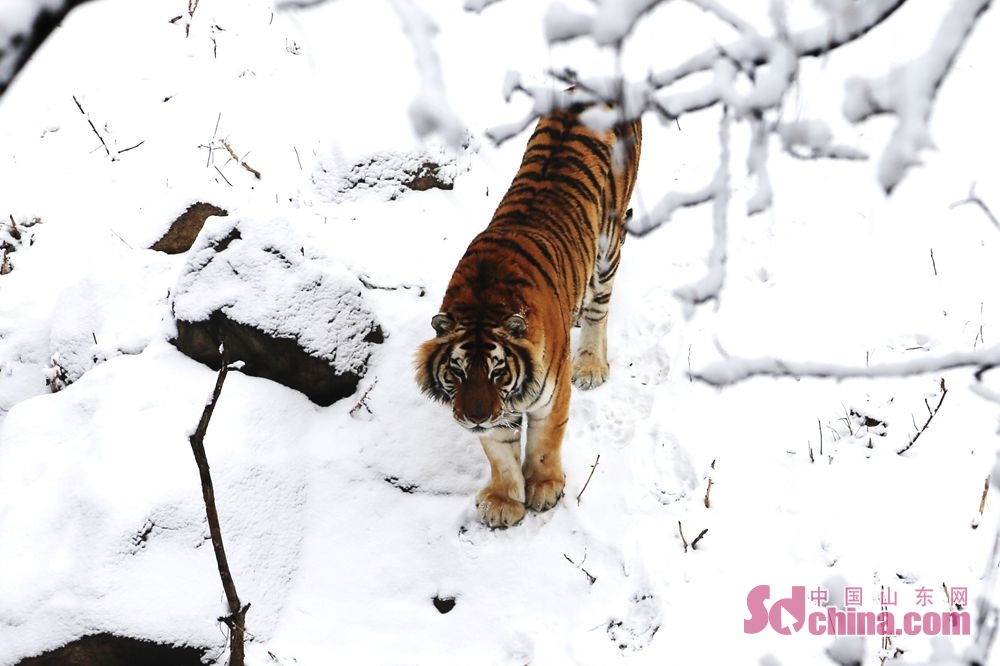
[590, 367]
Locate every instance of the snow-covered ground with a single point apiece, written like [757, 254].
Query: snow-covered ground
[343, 523]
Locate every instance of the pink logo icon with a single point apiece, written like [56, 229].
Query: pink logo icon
[786, 615]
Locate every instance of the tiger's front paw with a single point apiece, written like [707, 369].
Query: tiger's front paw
[543, 493]
[498, 510]
[589, 371]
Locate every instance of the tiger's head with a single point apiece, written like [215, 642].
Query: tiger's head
[484, 370]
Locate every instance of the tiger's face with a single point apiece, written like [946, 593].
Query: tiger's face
[484, 372]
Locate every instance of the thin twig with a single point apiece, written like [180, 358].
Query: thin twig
[125, 150]
[982, 503]
[930, 416]
[694, 544]
[238, 160]
[933, 263]
[589, 477]
[361, 402]
[223, 177]
[121, 239]
[590, 577]
[707, 491]
[680, 531]
[91, 123]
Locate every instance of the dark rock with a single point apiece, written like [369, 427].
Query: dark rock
[443, 604]
[288, 317]
[110, 650]
[428, 176]
[182, 232]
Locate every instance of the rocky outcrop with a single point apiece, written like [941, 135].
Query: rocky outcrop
[109, 650]
[253, 289]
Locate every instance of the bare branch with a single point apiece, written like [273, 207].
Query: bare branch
[238, 159]
[236, 619]
[930, 416]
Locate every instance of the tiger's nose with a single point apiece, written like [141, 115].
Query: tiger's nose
[477, 416]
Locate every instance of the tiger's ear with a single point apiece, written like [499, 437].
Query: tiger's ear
[443, 323]
[515, 325]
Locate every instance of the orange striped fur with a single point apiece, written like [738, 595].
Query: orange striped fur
[546, 261]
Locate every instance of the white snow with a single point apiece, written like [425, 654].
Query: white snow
[343, 523]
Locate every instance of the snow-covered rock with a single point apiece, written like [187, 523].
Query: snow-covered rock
[287, 314]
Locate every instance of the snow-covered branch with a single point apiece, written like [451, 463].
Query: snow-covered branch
[24, 25]
[752, 75]
[477, 5]
[430, 112]
[909, 90]
[734, 370]
[709, 286]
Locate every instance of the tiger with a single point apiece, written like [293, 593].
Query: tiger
[545, 263]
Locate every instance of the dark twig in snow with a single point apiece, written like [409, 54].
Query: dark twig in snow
[91, 123]
[589, 477]
[125, 150]
[237, 617]
[930, 416]
[362, 401]
[590, 577]
[223, 176]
